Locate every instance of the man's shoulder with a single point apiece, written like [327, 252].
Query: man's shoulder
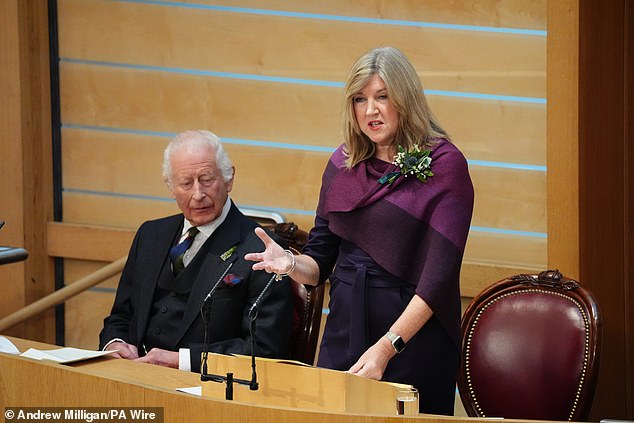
[238, 220]
[248, 226]
[161, 223]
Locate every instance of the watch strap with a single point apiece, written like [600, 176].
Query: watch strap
[397, 342]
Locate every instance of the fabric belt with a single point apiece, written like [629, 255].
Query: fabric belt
[359, 334]
[363, 273]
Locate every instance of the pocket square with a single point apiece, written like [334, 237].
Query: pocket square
[230, 280]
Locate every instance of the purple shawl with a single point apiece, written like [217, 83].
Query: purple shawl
[416, 231]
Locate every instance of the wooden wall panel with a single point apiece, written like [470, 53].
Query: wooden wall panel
[294, 47]
[158, 101]
[84, 315]
[85, 312]
[100, 161]
[497, 131]
[509, 199]
[491, 249]
[277, 178]
[25, 150]
[119, 212]
[483, 248]
[12, 152]
[494, 13]
[269, 84]
[475, 277]
[502, 131]
[563, 136]
[78, 242]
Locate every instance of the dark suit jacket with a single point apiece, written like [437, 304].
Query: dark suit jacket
[229, 322]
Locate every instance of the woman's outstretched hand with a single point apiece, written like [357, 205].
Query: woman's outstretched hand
[273, 259]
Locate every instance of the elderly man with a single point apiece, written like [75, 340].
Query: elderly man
[174, 262]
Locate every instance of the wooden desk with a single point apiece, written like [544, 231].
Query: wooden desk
[108, 382]
[302, 387]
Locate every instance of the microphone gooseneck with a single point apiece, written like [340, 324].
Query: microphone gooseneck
[217, 284]
[253, 314]
[256, 303]
[205, 311]
[253, 384]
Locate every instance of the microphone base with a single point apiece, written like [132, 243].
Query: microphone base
[212, 378]
[206, 377]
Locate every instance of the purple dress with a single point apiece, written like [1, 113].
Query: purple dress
[381, 244]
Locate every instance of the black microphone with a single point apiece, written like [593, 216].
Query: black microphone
[229, 379]
[205, 311]
[253, 384]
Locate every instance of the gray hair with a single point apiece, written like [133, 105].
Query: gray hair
[201, 139]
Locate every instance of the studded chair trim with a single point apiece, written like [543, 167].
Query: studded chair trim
[486, 306]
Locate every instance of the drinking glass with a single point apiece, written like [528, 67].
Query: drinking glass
[407, 401]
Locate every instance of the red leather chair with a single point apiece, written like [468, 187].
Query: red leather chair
[308, 302]
[530, 349]
[307, 322]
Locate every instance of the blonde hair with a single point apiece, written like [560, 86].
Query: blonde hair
[417, 125]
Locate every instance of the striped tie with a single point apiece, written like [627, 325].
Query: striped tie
[178, 251]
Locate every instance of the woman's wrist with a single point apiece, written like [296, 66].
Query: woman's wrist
[291, 267]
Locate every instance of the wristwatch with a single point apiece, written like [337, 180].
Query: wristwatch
[397, 342]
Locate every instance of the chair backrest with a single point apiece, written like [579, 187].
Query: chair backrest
[530, 349]
[306, 322]
[308, 302]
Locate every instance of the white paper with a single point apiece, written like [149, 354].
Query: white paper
[63, 355]
[195, 390]
[7, 346]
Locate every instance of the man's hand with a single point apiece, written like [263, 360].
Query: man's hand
[161, 357]
[124, 350]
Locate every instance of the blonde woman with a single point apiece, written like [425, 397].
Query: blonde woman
[390, 230]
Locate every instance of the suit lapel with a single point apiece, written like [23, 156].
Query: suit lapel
[227, 235]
